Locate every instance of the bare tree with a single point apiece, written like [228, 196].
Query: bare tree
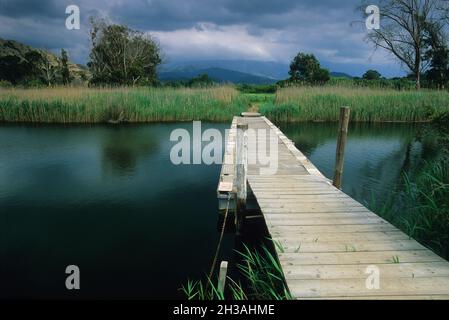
[403, 31]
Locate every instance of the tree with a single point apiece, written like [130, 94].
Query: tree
[403, 31]
[372, 75]
[438, 55]
[121, 55]
[64, 68]
[49, 72]
[202, 80]
[307, 68]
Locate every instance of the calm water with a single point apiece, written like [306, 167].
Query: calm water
[376, 154]
[108, 200]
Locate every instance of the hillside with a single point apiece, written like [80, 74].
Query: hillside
[216, 74]
[20, 62]
[237, 71]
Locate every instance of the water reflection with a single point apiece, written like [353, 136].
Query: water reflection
[377, 155]
[122, 148]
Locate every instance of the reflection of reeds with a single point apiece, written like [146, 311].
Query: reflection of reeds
[84, 105]
[367, 105]
[261, 272]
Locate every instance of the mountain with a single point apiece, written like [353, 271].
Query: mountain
[265, 69]
[18, 62]
[341, 75]
[216, 74]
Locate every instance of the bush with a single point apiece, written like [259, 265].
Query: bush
[5, 84]
[251, 88]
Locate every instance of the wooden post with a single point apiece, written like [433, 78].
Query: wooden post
[341, 145]
[222, 276]
[241, 164]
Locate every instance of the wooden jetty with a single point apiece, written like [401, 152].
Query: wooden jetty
[327, 243]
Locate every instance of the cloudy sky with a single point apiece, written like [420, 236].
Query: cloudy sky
[266, 30]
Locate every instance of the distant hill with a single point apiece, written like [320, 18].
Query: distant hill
[216, 74]
[265, 71]
[341, 75]
[15, 62]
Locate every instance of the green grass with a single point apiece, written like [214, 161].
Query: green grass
[261, 272]
[421, 208]
[260, 97]
[367, 105]
[83, 105]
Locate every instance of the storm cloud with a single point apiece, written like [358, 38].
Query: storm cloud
[268, 30]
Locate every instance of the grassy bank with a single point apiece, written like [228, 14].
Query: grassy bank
[83, 105]
[367, 105]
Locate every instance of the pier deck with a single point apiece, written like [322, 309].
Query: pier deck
[327, 243]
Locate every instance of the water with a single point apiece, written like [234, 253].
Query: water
[105, 199]
[108, 200]
[377, 155]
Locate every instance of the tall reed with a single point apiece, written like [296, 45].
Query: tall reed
[421, 209]
[84, 105]
[261, 273]
[367, 105]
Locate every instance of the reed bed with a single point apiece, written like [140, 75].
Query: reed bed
[298, 104]
[262, 273]
[423, 212]
[134, 105]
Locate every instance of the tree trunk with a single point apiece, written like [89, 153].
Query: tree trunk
[418, 80]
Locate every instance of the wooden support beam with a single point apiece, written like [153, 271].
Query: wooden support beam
[341, 145]
[222, 276]
[242, 164]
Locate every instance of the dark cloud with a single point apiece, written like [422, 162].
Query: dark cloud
[30, 8]
[206, 29]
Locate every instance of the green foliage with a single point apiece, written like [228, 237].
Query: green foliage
[250, 88]
[424, 209]
[64, 68]
[280, 112]
[394, 84]
[438, 55]
[372, 75]
[25, 66]
[200, 81]
[5, 84]
[260, 97]
[121, 55]
[305, 68]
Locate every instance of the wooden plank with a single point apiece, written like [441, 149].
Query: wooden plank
[296, 246]
[354, 258]
[344, 237]
[323, 222]
[331, 229]
[387, 271]
[357, 287]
